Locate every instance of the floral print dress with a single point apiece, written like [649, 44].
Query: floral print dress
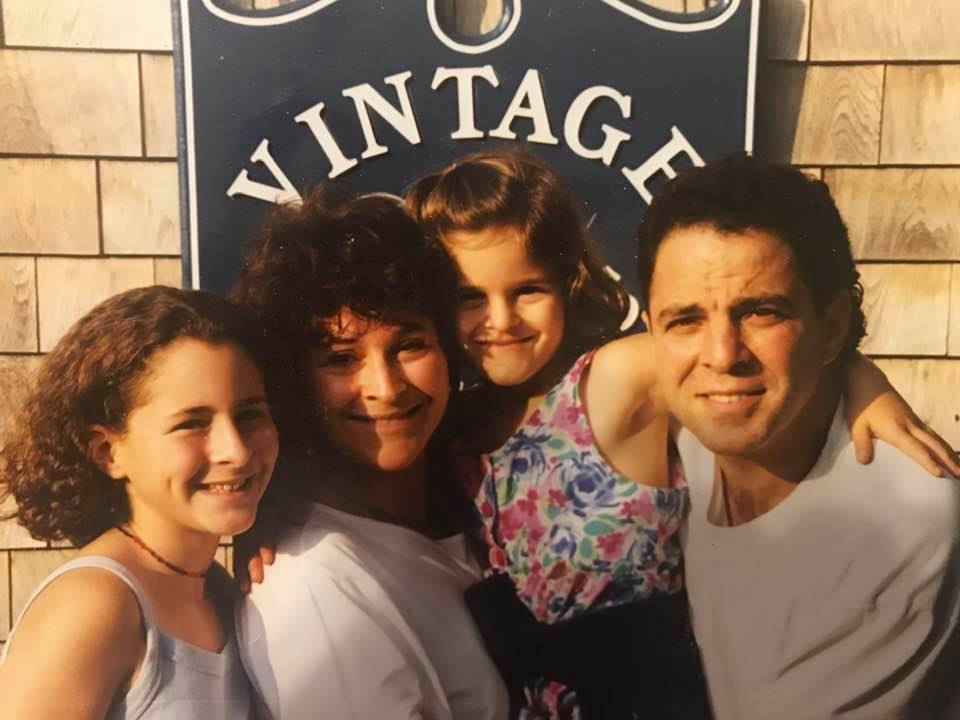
[570, 531]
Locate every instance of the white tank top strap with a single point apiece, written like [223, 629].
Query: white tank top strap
[147, 682]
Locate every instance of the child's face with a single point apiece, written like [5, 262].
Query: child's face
[383, 389]
[200, 446]
[511, 315]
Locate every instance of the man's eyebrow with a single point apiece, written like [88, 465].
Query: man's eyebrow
[676, 310]
[775, 299]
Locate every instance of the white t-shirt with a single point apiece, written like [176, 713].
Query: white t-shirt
[836, 602]
[361, 620]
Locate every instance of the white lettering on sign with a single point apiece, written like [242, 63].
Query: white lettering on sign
[612, 137]
[465, 77]
[403, 121]
[243, 185]
[660, 162]
[528, 102]
[313, 119]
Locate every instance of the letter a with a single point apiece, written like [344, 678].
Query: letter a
[531, 93]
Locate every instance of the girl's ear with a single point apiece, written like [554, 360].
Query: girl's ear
[102, 450]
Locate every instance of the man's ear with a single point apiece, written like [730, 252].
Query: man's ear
[837, 316]
[102, 450]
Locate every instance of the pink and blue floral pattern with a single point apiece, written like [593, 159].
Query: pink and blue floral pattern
[571, 532]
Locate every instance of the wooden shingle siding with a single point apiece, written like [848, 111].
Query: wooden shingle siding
[900, 213]
[48, 205]
[784, 29]
[68, 103]
[69, 287]
[953, 334]
[907, 308]
[18, 304]
[921, 115]
[89, 24]
[140, 207]
[160, 120]
[885, 30]
[820, 115]
[168, 271]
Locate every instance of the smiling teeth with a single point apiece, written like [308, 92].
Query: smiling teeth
[222, 488]
[730, 398]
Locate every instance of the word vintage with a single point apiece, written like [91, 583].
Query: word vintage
[615, 94]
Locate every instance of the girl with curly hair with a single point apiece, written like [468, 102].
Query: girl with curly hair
[147, 437]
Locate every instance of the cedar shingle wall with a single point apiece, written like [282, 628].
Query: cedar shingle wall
[865, 93]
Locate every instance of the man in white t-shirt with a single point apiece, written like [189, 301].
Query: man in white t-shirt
[819, 587]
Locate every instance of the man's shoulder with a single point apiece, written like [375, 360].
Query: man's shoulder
[893, 488]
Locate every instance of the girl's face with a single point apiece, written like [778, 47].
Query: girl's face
[511, 315]
[382, 389]
[200, 445]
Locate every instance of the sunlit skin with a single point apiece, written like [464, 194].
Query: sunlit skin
[511, 315]
[743, 358]
[382, 388]
[198, 448]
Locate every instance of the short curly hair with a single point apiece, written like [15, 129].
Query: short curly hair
[337, 250]
[742, 192]
[517, 190]
[93, 376]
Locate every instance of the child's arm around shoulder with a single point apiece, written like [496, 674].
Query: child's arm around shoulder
[627, 417]
[623, 380]
[875, 409]
[80, 641]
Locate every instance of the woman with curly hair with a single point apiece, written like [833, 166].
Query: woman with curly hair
[147, 437]
[362, 613]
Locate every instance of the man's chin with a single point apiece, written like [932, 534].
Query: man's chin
[734, 439]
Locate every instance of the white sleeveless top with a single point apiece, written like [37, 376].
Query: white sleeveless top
[177, 680]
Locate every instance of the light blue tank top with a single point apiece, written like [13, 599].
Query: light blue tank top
[177, 680]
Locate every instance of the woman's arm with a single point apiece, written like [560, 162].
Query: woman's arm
[875, 409]
[76, 648]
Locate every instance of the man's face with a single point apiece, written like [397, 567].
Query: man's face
[740, 348]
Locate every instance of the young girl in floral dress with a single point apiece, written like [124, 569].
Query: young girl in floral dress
[579, 490]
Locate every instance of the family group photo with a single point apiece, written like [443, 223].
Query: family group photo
[479, 360]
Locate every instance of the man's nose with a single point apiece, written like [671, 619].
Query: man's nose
[382, 379]
[723, 346]
[228, 445]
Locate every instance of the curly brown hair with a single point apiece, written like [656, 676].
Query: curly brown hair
[337, 250]
[93, 377]
[515, 189]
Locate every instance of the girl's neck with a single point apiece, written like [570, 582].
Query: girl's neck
[184, 550]
[516, 403]
[395, 496]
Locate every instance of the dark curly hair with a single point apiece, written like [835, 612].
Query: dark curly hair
[93, 377]
[337, 250]
[741, 192]
[517, 190]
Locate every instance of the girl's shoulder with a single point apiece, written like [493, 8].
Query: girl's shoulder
[82, 616]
